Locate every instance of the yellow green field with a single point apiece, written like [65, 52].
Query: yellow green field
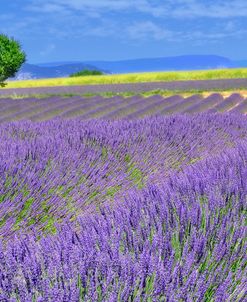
[133, 78]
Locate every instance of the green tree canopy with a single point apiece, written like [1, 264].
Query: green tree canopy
[11, 57]
[86, 72]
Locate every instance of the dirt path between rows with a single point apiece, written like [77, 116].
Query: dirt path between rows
[133, 87]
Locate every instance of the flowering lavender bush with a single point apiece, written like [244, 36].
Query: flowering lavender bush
[143, 210]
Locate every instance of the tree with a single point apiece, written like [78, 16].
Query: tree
[11, 58]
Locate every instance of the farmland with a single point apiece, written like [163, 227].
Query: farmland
[117, 107]
[123, 198]
[123, 151]
[144, 77]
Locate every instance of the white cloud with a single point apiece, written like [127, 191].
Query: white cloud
[214, 35]
[49, 49]
[171, 8]
[64, 19]
[6, 17]
[86, 5]
[210, 9]
[230, 26]
[47, 8]
[147, 29]
[99, 7]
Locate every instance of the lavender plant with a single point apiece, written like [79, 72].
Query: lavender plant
[144, 210]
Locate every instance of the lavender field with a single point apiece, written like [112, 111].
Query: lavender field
[116, 107]
[123, 199]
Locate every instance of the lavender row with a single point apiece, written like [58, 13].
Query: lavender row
[134, 110]
[122, 106]
[53, 109]
[151, 108]
[133, 87]
[120, 112]
[116, 107]
[241, 108]
[154, 103]
[25, 106]
[229, 103]
[183, 104]
[206, 103]
[105, 105]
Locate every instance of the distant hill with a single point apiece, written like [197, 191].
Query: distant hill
[188, 62]
[31, 71]
[176, 63]
[51, 64]
[241, 63]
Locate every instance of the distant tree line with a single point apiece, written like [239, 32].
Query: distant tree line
[86, 72]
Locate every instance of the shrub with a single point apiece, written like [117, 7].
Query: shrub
[86, 72]
[11, 57]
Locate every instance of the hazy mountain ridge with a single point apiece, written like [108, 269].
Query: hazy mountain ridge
[33, 71]
[186, 62]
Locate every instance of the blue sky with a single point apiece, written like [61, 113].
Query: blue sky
[84, 30]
